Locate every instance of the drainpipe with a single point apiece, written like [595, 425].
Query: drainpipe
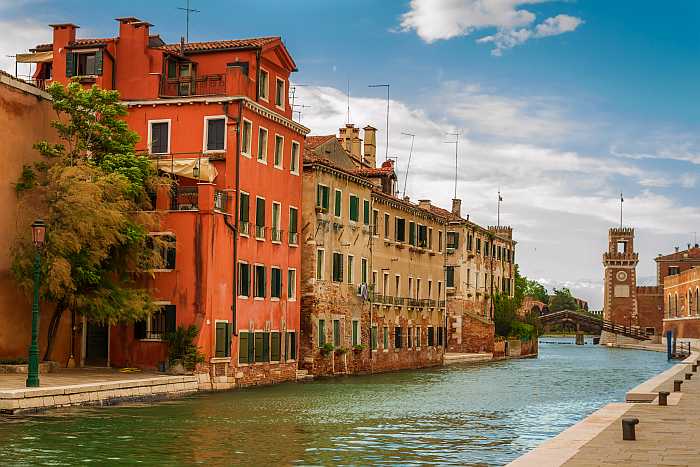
[371, 265]
[257, 74]
[234, 228]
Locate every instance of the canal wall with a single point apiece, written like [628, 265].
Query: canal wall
[515, 348]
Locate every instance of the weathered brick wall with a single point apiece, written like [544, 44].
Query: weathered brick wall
[264, 373]
[683, 328]
[650, 306]
[468, 332]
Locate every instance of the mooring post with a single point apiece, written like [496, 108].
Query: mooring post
[677, 385]
[663, 397]
[628, 425]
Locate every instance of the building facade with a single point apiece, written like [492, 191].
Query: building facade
[373, 293]
[214, 116]
[681, 279]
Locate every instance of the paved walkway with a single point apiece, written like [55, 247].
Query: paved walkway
[454, 357]
[65, 377]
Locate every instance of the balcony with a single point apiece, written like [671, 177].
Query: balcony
[184, 198]
[260, 232]
[276, 235]
[222, 201]
[244, 228]
[198, 85]
[293, 238]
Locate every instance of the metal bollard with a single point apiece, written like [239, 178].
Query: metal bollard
[663, 397]
[628, 428]
[677, 385]
[688, 376]
[695, 367]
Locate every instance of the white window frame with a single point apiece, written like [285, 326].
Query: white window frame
[322, 275]
[279, 224]
[293, 296]
[289, 212]
[266, 98]
[255, 225]
[150, 135]
[351, 269]
[255, 282]
[294, 161]
[250, 139]
[359, 333]
[359, 208]
[337, 191]
[267, 145]
[279, 166]
[244, 297]
[205, 134]
[246, 235]
[397, 284]
[276, 299]
[364, 261]
[284, 90]
[159, 303]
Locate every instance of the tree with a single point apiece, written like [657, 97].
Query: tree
[536, 290]
[91, 189]
[562, 300]
[504, 314]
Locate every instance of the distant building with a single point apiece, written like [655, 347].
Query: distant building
[681, 292]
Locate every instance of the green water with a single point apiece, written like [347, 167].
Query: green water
[461, 415]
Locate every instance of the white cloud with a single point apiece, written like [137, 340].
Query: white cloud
[435, 20]
[18, 35]
[559, 202]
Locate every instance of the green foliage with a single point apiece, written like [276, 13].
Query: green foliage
[562, 300]
[359, 347]
[13, 361]
[536, 290]
[504, 314]
[181, 347]
[91, 189]
[327, 348]
[524, 332]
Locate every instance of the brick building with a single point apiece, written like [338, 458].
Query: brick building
[216, 117]
[642, 307]
[681, 279]
[373, 294]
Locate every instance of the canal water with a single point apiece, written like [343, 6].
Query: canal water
[484, 414]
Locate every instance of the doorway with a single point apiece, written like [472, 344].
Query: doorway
[96, 344]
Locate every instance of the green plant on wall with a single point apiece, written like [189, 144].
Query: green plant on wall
[181, 347]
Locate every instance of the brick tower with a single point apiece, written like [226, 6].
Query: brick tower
[620, 261]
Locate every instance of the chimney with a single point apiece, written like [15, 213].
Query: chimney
[424, 204]
[135, 32]
[457, 207]
[357, 147]
[63, 34]
[370, 146]
[677, 248]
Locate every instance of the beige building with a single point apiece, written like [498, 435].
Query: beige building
[373, 287]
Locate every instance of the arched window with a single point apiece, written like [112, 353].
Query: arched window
[689, 303]
[697, 300]
[675, 304]
[669, 308]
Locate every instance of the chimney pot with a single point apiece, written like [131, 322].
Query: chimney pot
[457, 207]
[370, 156]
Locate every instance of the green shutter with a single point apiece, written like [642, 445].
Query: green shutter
[98, 62]
[245, 201]
[243, 347]
[251, 347]
[275, 347]
[326, 192]
[221, 329]
[170, 318]
[266, 347]
[70, 64]
[366, 212]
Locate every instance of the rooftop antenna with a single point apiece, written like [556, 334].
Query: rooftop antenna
[348, 119]
[408, 166]
[302, 107]
[622, 200]
[387, 86]
[500, 200]
[293, 91]
[187, 11]
[456, 143]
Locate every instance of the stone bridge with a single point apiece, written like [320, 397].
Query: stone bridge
[588, 323]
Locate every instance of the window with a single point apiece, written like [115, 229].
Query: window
[439, 290]
[410, 287]
[673, 270]
[440, 241]
[470, 241]
[375, 222]
[410, 337]
[275, 282]
[387, 219]
[355, 332]
[262, 144]
[260, 281]
[291, 284]
[337, 267]
[478, 245]
[262, 346]
[469, 277]
[294, 162]
[159, 136]
[397, 337]
[418, 336]
[291, 348]
[275, 346]
[351, 269]
[397, 284]
[422, 236]
[215, 133]
[487, 250]
[263, 87]
[243, 280]
[400, 230]
[365, 211]
[293, 225]
[260, 218]
[84, 63]
[354, 208]
[276, 222]
[223, 339]
[338, 203]
[320, 260]
[167, 249]
[385, 283]
[450, 276]
[279, 151]
[363, 270]
[430, 289]
[452, 240]
[321, 332]
[246, 347]
[322, 194]
[385, 336]
[412, 233]
[336, 332]
[279, 93]
[418, 288]
[431, 336]
[373, 337]
[430, 238]
[439, 336]
[243, 213]
[158, 324]
[246, 138]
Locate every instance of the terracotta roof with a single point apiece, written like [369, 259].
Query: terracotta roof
[315, 141]
[693, 254]
[387, 168]
[75, 43]
[220, 45]
[444, 213]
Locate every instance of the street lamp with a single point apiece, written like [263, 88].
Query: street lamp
[38, 236]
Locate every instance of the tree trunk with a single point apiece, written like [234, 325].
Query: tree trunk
[53, 328]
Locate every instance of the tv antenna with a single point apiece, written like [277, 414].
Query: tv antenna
[387, 86]
[187, 11]
[456, 143]
[301, 107]
[408, 166]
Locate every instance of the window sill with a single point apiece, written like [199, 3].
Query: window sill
[259, 299]
[152, 339]
[243, 297]
[276, 242]
[220, 360]
[278, 167]
[260, 239]
[274, 299]
[291, 299]
[294, 173]
[294, 245]
[162, 270]
[215, 152]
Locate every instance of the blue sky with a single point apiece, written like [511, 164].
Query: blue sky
[563, 104]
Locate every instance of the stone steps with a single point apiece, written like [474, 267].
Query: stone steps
[303, 375]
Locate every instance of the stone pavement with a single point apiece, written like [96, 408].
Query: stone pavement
[454, 357]
[64, 377]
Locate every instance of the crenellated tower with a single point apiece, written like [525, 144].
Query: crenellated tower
[620, 262]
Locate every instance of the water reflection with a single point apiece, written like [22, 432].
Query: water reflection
[482, 414]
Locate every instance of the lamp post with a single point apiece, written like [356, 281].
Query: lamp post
[38, 235]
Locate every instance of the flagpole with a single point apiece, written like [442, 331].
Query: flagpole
[499, 208]
[622, 200]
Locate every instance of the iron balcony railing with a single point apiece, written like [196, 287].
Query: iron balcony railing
[260, 232]
[244, 228]
[222, 201]
[197, 85]
[293, 238]
[276, 235]
[405, 301]
[184, 198]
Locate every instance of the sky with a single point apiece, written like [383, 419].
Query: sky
[562, 105]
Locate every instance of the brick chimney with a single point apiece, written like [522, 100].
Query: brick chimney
[370, 156]
[457, 207]
[63, 35]
[138, 78]
[424, 204]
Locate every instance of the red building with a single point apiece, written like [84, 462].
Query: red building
[216, 116]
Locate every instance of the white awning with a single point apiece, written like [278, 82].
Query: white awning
[186, 167]
[37, 57]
